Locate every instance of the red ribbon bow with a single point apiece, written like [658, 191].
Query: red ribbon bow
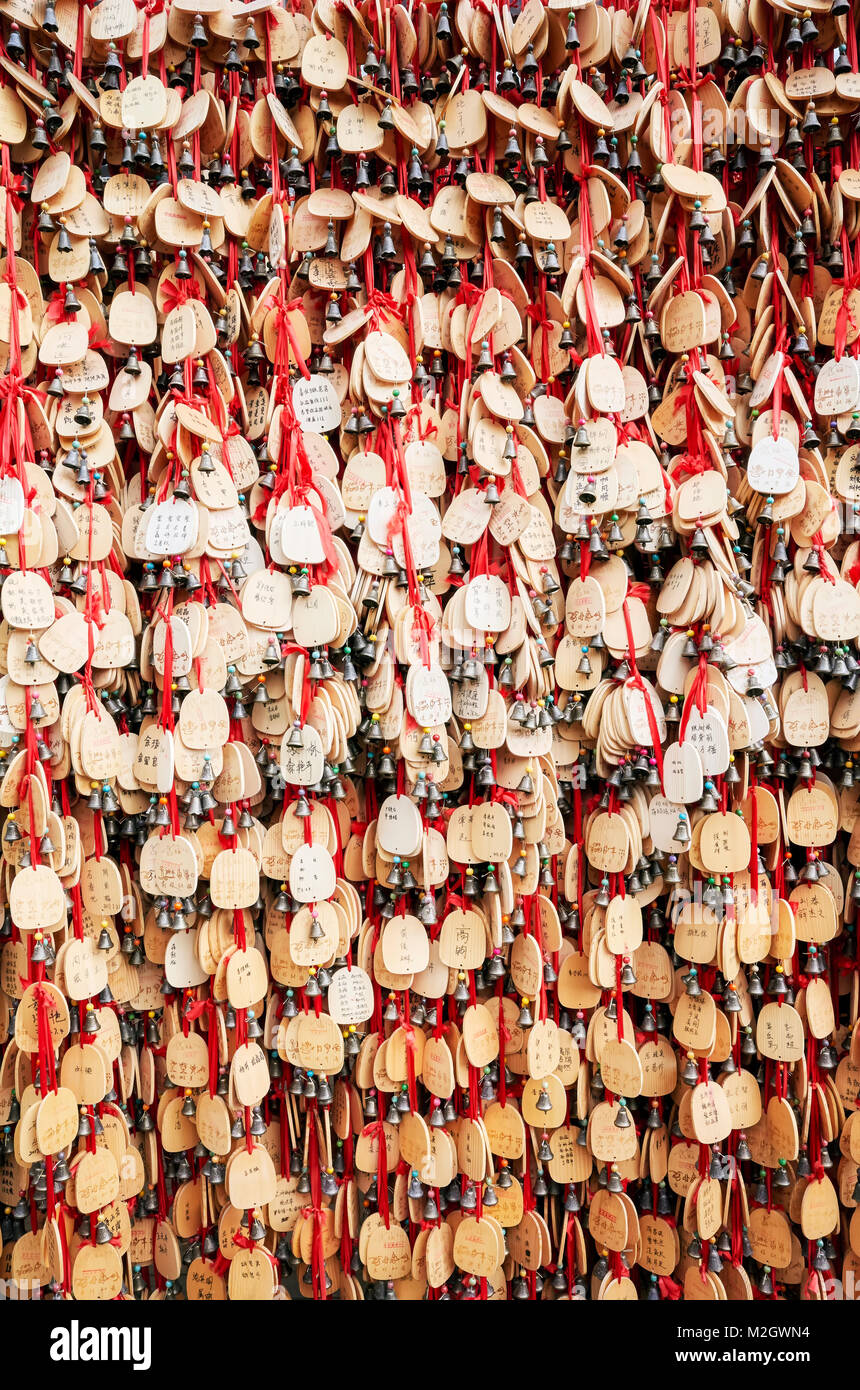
[176, 292]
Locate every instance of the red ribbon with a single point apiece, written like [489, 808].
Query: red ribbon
[641, 591]
[377, 1131]
[177, 292]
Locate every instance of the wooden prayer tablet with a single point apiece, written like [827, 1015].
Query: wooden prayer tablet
[429, 448]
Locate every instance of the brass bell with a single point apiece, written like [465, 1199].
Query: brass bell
[544, 1102]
